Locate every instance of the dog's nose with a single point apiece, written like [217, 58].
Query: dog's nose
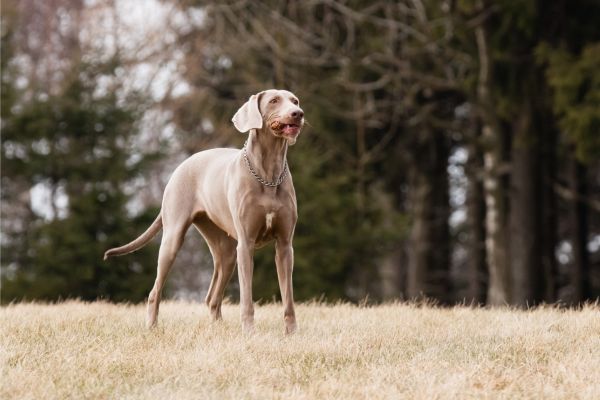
[298, 114]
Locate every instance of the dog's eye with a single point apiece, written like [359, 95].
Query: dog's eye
[274, 100]
[295, 101]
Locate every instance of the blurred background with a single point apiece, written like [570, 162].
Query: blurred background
[452, 150]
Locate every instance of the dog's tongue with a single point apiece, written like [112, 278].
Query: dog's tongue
[291, 129]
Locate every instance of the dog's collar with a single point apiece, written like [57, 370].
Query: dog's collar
[258, 177]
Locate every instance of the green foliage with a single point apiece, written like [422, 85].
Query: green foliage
[575, 80]
[78, 145]
[337, 240]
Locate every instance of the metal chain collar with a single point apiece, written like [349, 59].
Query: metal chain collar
[258, 177]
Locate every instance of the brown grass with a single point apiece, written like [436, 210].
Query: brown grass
[101, 351]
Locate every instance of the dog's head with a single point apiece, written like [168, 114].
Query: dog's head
[277, 111]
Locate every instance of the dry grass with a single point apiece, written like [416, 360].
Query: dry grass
[101, 351]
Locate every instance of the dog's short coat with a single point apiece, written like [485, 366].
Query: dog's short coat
[239, 201]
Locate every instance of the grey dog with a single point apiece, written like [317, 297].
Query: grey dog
[238, 200]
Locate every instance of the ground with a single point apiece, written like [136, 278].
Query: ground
[102, 351]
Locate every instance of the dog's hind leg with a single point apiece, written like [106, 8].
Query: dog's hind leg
[223, 250]
[171, 242]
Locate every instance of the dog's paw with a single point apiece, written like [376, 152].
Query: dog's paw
[248, 328]
[291, 328]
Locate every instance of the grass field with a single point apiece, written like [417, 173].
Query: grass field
[102, 351]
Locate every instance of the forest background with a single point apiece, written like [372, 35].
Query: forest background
[452, 150]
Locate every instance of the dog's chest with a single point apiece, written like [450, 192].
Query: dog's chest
[272, 215]
[267, 232]
[269, 220]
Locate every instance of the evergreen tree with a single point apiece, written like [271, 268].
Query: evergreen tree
[77, 144]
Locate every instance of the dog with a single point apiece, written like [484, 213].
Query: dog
[239, 200]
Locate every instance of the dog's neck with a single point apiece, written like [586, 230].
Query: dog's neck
[267, 153]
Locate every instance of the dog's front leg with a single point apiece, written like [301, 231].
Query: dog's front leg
[284, 259]
[245, 254]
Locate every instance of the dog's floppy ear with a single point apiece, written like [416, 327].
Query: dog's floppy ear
[248, 116]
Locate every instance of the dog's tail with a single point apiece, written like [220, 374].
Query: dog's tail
[139, 242]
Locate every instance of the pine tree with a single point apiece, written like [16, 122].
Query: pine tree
[77, 144]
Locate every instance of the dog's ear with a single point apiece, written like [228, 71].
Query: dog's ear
[248, 116]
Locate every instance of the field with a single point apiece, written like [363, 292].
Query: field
[101, 351]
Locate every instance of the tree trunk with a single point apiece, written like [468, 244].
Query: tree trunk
[495, 222]
[495, 207]
[440, 282]
[549, 216]
[475, 245]
[578, 214]
[428, 253]
[420, 245]
[524, 214]
[390, 275]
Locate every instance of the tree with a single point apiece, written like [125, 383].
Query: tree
[77, 145]
[575, 81]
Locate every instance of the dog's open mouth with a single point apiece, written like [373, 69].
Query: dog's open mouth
[290, 129]
[286, 129]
